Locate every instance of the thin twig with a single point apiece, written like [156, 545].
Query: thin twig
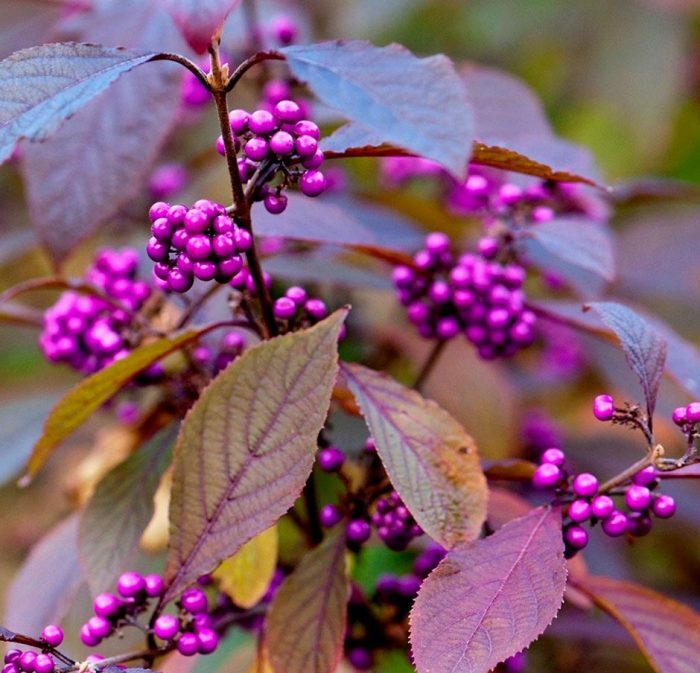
[243, 68]
[429, 364]
[190, 65]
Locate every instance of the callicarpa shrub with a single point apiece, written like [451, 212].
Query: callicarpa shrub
[356, 259]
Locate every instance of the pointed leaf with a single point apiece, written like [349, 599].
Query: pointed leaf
[577, 241]
[119, 511]
[42, 86]
[644, 348]
[91, 393]
[73, 194]
[490, 599]
[305, 625]
[398, 97]
[245, 576]
[665, 630]
[431, 461]
[43, 590]
[199, 20]
[247, 446]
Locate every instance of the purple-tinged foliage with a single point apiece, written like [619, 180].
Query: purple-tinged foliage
[199, 20]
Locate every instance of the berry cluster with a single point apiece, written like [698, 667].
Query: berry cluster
[585, 503]
[273, 143]
[473, 295]
[88, 332]
[214, 360]
[394, 523]
[28, 661]
[200, 242]
[688, 419]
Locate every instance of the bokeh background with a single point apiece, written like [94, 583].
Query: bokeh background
[620, 78]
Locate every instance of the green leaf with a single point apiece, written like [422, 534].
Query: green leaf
[431, 460]
[119, 511]
[247, 446]
[305, 625]
[91, 393]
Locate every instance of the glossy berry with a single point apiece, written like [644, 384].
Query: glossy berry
[284, 308]
[576, 537]
[106, 605]
[27, 660]
[262, 122]
[187, 644]
[358, 531]
[579, 510]
[330, 459]
[166, 627]
[282, 143]
[679, 415]
[329, 516]
[602, 506]
[639, 524]
[553, 456]
[130, 584]
[275, 203]
[663, 506]
[546, 476]
[53, 635]
[194, 601]
[87, 638]
[99, 627]
[645, 477]
[44, 664]
[312, 183]
[208, 640]
[12, 655]
[692, 412]
[637, 498]
[585, 485]
[10, 668]
[603, 407]
[615, 525]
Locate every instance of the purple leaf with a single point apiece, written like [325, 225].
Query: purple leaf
[577, 241]
[398, 97]
[345, 222]
[119, 511]
[644, 348]
[199, 20]
[43, 590]
[91, 393]
[305, 624]
[63, 77]
[72, 194]
[666, 631]
[431, 461]
[491, 598]
[247, 446]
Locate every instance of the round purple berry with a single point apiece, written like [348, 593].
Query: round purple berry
[615, 525]
[663, 506]
[156, 250]
[238, 119]
[330, 459]
[306, 146]
[208, 640]
[284, 29]
[639, 524]
[87, 638]
[275, 203]
[316, 309]
[12, 655]
[585, 485]
[358, 531]
[282, 143]
[199, 247]
[27, 660]
[576, 537]
[603, 407]
[546, 476]
[166, 627]
[553, 456]
[637, 498]
[307, 128]
[188, 644]
[130, 584]
[196, 221]
[284, 308]
[579, 510]
[360, 658]
[602, 506]
[158, 210]
[679, 415]
[314, 160]
[205, 270]
[257, 149]
[244, 240]
[44, 664]
[645, 477]
[194, 601]
[692, 412]
[106, 605]
[99, 627]
[312, 183]
[329, 516]
[262, 122]
[288, 111]
[223, 246]
[154, 585]
[53, 635]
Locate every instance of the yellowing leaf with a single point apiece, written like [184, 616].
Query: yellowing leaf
[246, 575]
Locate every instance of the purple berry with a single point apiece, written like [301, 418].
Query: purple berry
[53, 635]
[257, 149]
[99, 627]
[130, 584]
[162, 229]
[205, 270]
[312, 183]
[576, 537]
[228, 268]
[603, 407]
[194, 601]
[329, 515]
[579, 510]
[645, 477]
[223, 246]
[27, 661]
[106, 605]
[238, 120]
[158, 210]
[288, 111]
[154, 585]
[282, 143]
[284, 308]
[585, 485]
[360, 658]
[199, 247]
[692, 412]
[637, 498]
[176, 214]
[546, 476]
[488, 247]
[284, 29]
[314, 160]
[208, 640]
[307, 128]
[166, 627]
[663, 506]
[553, 456]
[275, 203]
[10, 668]
[12, 655]
[330, 459]
[615, 525]
[306, 146]
[602, 506]
[262, 122]
[188, 644]
[243, 239]
[156, 250]
[44, 663]
[639, 524]
[315, 308]
[196, 221]
[679, 415]
[358, 531]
